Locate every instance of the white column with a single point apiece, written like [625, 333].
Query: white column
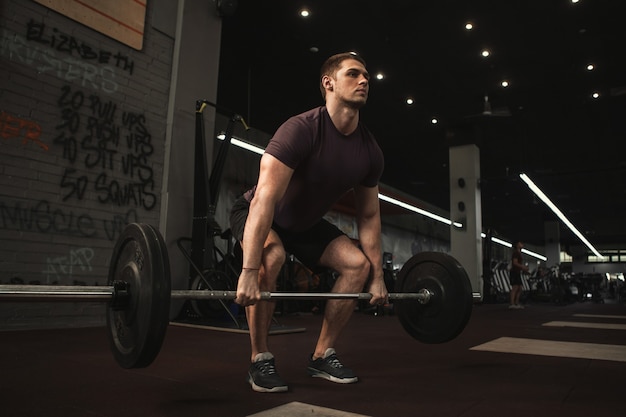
[194, 76]
[465, 208]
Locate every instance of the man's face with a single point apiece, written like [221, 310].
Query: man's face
[351, 84]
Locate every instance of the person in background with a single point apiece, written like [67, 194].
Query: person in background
[515, 275]
[312, 160]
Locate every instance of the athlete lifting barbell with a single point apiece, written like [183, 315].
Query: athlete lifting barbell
[433, 299]
[312, 160]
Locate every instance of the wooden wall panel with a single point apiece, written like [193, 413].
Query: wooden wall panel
[122, 20]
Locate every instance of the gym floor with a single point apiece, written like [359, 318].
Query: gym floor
[545, 360]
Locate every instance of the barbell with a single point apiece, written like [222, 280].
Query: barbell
[433, 298]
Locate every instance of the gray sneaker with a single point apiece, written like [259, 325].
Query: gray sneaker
[329, 367]
[262, 374]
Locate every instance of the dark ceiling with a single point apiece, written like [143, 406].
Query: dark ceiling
[545, 123]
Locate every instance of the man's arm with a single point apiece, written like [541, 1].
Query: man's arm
[274, 177]
[369, 226]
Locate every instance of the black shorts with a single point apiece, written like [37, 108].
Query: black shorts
[515, 278]
[307, 245]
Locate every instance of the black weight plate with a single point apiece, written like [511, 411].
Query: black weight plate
[447, 312]
[137, 330]
[162, 300]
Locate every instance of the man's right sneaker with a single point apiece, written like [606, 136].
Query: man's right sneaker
[262, 374]
[329, 367]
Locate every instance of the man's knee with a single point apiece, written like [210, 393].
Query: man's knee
[357, 267]
[274, 257]
[364, 267]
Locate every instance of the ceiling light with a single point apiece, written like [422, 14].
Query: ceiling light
[558, 212]
[380, 76]
[469, 26]
[595, 94]
[485, 53]
[510, 245]
[418, 210]
[498, 241]
[504, 83]
[434, 120]
[243, 144]
[590, 67]
[409, 101]
[304, 13]
[533, 254]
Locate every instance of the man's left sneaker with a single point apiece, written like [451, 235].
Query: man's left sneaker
[329, 367]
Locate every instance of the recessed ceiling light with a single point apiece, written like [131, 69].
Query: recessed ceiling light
[434, 120]
[590, 67]
[504, 83]
[595, 94]
[305, 13]
[409, 101]
[485, 53]
[469, 26]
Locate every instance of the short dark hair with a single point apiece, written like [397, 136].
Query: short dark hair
[332, 64]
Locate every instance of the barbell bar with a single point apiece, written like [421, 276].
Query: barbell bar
[55, 293]
[422, 296]
[112, 293]
[432, 299]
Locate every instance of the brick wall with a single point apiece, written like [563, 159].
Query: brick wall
[82, 133]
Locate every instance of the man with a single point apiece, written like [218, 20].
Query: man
[313, 159]
[517, 266]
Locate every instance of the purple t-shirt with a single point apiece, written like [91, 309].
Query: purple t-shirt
[326, 165]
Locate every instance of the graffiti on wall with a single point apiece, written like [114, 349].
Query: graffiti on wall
[63, 268]
[67, 44]
[97, 136]
[14, 127]
[49, 50]
[99, 148]
[44, 217]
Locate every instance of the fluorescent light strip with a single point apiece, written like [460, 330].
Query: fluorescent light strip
[500, 241]
[418, 210]
[558, 212]
[248, 146]
[534, 255]
[259, 150]
[510, 245]
[243, 144]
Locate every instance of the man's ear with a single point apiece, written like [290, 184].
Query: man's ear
[327, 82]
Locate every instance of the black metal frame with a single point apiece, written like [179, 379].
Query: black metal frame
[203, 256]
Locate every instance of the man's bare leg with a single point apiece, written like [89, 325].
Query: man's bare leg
[353, 268]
